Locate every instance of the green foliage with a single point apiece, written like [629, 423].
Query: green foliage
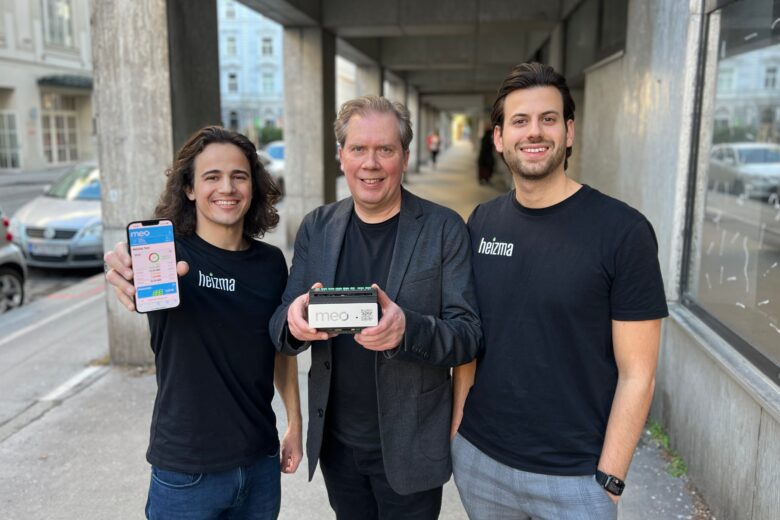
[270, 133]
[676, 467]
[734, 134]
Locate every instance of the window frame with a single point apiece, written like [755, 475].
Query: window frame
[765, 365]
[47, 26]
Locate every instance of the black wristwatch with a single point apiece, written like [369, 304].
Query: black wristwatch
[611, 483]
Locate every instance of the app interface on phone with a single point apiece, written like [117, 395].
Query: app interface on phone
[154, 266]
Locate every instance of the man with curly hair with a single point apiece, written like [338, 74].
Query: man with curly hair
[214, 448]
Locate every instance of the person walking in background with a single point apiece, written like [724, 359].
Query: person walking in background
[433, 142]
[485, 161]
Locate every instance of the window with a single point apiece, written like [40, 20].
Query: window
[9, 144]
[58, 128]
[268, 83]
[234, 120]
[770, 78]
[267, 47]
[733, 274]
[725, 80]
[230, 46]
[232, 82]
[230, 11]
[58, 24]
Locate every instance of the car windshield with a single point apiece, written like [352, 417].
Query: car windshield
[276, 152]
[759, 155]
[80, 183]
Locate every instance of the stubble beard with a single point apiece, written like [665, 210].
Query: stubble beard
[536, 171]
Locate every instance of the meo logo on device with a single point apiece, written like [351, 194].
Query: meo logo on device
[343, 309]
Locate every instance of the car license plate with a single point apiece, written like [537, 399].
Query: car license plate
[49, 249]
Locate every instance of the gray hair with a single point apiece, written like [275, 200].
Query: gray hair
[373, 104]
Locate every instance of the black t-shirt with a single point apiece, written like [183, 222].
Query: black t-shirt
[353, 413]
[215, 360]
[549, 283]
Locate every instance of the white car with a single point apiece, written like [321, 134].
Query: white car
[749, 168]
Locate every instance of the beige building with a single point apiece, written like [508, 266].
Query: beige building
[45, 84]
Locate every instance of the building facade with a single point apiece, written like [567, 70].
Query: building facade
[45, 84]
[250, 68]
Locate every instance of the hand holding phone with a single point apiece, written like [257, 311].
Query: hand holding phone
[153, 257]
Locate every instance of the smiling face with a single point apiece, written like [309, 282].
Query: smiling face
[373, 161]
[222, 190]
[534, 137]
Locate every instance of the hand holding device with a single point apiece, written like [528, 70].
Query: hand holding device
[297, 322]
[390, 331]
[153, 258]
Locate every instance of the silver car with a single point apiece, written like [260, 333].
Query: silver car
[63, 227]
[749, 168]
[13, 271]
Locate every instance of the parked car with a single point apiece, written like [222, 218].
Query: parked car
[272, 157]
[63, 227]
[13, 270]
[750, 168]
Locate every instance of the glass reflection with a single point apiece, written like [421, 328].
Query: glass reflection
[736, 265]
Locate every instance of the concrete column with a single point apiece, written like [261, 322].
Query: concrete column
[444, 125]
[135, 142]
[557, 48]
[393, 91]
[368, 80]
[311, 167]
[138, 122]
[194, 61]
[412, 103]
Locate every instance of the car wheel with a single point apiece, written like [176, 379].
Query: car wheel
[737, 187]
[11, 289]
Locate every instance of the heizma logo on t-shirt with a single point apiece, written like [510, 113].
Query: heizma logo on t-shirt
[492, 247]
[212, 282]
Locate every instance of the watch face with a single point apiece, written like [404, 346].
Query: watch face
[614, 485]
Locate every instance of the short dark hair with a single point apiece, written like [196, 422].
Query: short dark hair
[531, 75]
[177, 207]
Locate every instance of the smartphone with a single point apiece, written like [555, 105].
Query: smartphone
[153, 254]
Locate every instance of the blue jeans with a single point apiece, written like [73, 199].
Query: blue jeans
[247, 492]
[490, 490]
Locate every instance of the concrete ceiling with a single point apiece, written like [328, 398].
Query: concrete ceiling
[460, 49]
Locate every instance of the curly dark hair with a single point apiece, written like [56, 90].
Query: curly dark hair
[531, 75]
[175, 206]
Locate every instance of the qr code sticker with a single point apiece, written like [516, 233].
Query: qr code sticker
[366, 314]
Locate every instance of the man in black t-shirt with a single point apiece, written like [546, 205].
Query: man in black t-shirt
[214, 448]
[571, 300]
[380, 401]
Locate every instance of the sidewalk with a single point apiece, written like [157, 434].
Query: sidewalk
[84, 458]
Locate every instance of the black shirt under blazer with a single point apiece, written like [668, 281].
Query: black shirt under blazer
[430, 278]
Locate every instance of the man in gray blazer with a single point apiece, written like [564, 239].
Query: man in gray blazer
[380, 401]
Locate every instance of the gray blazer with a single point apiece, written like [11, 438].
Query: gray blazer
[430, 278]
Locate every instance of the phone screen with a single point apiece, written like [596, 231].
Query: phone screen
[154, 265]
